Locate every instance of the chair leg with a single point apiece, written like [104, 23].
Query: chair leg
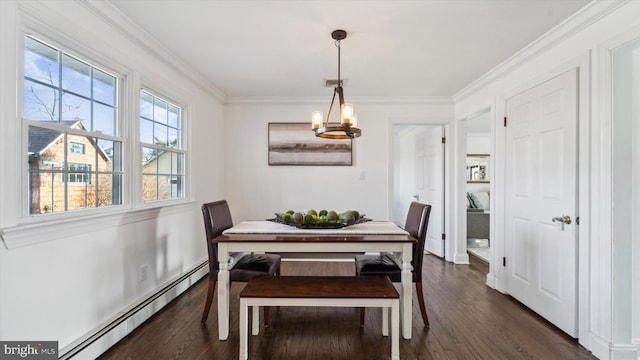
[362, 317]
[266, 316]
[423, 310]
[207, 305]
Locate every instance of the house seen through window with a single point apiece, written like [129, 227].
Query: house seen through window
[70, 113]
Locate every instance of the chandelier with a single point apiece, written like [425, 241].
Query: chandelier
[348, 127]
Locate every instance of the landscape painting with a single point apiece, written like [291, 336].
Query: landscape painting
[296, 144]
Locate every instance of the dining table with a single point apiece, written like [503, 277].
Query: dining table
[273, 237]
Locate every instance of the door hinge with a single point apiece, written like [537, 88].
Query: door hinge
[443, 237]
[505, 121]
[504, 261]
[444, 140]
[578, 220]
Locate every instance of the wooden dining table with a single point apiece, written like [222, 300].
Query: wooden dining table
[272, 237]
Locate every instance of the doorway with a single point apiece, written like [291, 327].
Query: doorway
[478, 181]
[419, 175]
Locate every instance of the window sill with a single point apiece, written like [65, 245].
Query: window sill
[43, 231]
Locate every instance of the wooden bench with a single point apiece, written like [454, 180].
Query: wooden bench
[339, 291]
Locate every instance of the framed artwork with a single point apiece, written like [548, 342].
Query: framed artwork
[296, 144]
[478, 168]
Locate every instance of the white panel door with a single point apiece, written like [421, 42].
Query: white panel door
[430, 184]
[541, 184]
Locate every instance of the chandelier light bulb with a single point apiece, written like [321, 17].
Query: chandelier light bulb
[316, 119]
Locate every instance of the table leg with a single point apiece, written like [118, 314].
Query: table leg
[255, 320]
[223, 292]
[244, 331]
[395, 327]
[385, 321]
[407, 291]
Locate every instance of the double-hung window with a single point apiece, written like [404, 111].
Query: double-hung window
[163, 155]
[70, 115]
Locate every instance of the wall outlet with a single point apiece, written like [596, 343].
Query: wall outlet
[144, 269]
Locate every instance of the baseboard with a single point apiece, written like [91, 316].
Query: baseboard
[491, 280]
[461, 259]
[604, 350]
[96, 342]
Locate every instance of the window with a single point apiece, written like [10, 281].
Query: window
[76, 148]
[79, 173]
[70, 114]
[163, 156]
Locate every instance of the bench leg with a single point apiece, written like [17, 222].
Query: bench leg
[255, 320]
[395, 331]
[385, 321]
[244, 331]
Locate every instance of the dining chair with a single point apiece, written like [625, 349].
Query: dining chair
[244, 266]
[386, 264]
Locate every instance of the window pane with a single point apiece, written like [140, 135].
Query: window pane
[41, 62]
[79, 195]
[40, 102]
[146, 131]
[160, 134]
[149, 163]
[174, 116]
[146, 105]
[104, 119]
[177, 161]
[104, 87]
[160, 111]
[149, 187]
[164, 187]
[75, 108]
[76, 76]
[46, 194]
[173, 139]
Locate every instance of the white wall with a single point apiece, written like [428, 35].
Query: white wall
[256, 190]
[581, 42]
[76, 276]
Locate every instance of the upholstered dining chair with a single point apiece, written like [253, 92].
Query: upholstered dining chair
[217, 218]
[386, 264]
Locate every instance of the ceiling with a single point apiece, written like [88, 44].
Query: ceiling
[415, 48]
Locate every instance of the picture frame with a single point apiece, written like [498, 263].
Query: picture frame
[295, 144]
[477, 168]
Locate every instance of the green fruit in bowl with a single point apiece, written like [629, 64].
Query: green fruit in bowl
[356, 214]
[322, 219]
[291, 212]
[310, 219]
[286, 217]
[312, 212]
[322, 212]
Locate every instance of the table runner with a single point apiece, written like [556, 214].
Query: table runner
[270, 227]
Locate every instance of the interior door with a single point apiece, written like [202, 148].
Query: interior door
[541, 201]
[430, 184]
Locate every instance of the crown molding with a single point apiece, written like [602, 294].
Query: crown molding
[577, 22]
[119, 21]
[288, 100]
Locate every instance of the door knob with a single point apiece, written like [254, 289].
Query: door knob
[565, 219]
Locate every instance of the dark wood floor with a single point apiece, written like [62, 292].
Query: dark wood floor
[468, 321]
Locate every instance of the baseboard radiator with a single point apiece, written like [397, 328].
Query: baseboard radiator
[104, 337]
